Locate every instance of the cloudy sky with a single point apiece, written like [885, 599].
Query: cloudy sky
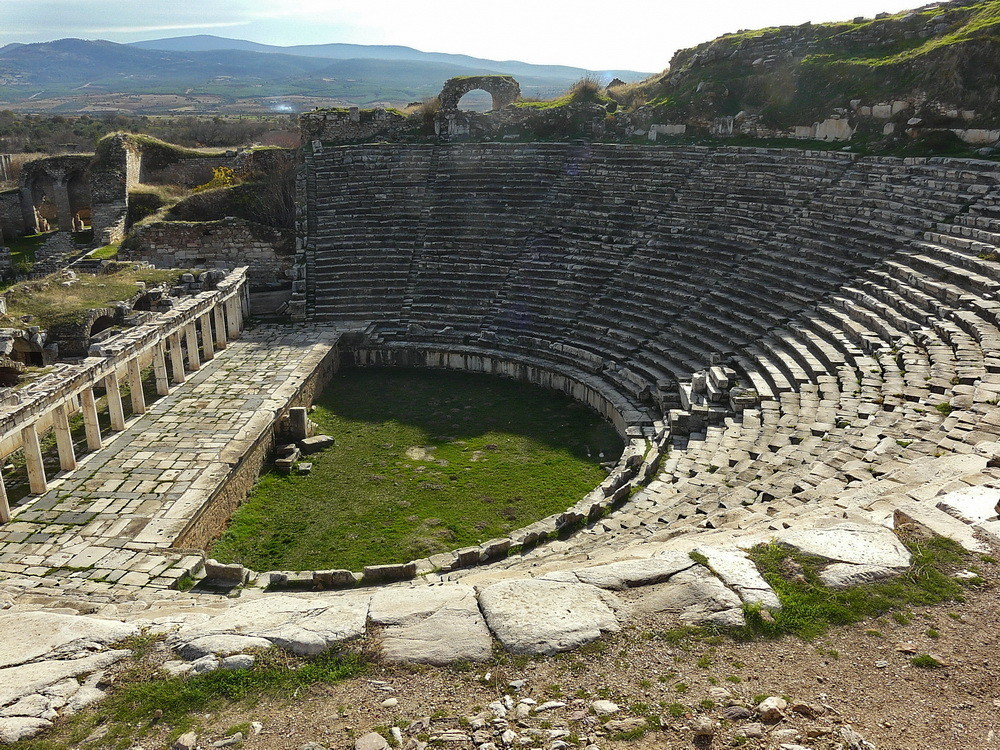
[585, 33]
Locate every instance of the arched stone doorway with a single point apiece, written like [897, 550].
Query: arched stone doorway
[503, 90]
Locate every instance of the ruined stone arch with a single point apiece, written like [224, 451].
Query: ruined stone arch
[503, 89]
[55, 189]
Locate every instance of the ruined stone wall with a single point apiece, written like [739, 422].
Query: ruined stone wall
[349, 125]
[115, 172]
[214, 244]
[11, 220]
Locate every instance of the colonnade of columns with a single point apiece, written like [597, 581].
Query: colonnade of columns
[183, 349]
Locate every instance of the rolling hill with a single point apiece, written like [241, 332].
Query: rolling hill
[203, 74]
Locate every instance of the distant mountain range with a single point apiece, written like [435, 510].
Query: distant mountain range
[213, 74]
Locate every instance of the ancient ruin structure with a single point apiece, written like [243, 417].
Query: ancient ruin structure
[797, 346]
[504, 90]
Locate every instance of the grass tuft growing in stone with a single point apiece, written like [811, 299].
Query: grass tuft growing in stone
[425, 462]
[809, 608]
[143, 702]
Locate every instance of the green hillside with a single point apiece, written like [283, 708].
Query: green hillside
[947, 54]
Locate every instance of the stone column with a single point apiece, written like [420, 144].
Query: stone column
[33, 457]
[135, 387]
[115, 408]
[4, 504]
[220, 326]
[64, 440]
[176, 358]
[233, 317]
[28, 211]
[91, 423]
[207, 339]
[191, 334]
[160, 370]
[64, 214]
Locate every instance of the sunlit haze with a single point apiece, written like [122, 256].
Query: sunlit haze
[633, 35]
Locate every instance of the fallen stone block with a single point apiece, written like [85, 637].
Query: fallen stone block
[234, 573]
[694, 597]
[316, 443]
[533, 616]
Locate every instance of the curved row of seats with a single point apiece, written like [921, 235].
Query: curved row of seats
[858, 296]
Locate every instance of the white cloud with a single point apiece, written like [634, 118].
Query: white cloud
[166, 27]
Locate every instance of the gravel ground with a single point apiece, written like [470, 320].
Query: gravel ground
[858, 676]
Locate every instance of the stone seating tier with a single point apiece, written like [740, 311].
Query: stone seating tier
[855, 294]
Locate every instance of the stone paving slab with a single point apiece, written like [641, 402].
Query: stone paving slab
[112, 519]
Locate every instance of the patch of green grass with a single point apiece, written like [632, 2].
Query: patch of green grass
[925, 661]
[633, 734]
[677, 710]
[177, 697]
[809, 608]
[243, 728]
[105, 253]
[698, 557]
[140, 703]
[49, 303]
[944, 408]
[22, 250]
[425, 462]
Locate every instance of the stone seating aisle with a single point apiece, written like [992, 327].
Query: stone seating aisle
[373, 203]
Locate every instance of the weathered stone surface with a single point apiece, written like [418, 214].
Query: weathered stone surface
[845, 575]
[30, 635]
[303, 626]
[940, 523]
[850, 542]
[20, 727]
[631, 573]
[220, 644]
[738, 572]
[371, 741]
[316, 443]
[694, 597]
[400, 606]
[237, 661]
[431, 624]
[216, 571]
[544, 617]
[386, 573]
[26, 679]
[973, 505]
[451, 634]
[772, 709]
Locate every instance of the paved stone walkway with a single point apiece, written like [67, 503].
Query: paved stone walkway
[109, 522]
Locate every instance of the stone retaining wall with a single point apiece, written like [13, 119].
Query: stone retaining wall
[212, 518]
[602, 400]
[223, 244]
